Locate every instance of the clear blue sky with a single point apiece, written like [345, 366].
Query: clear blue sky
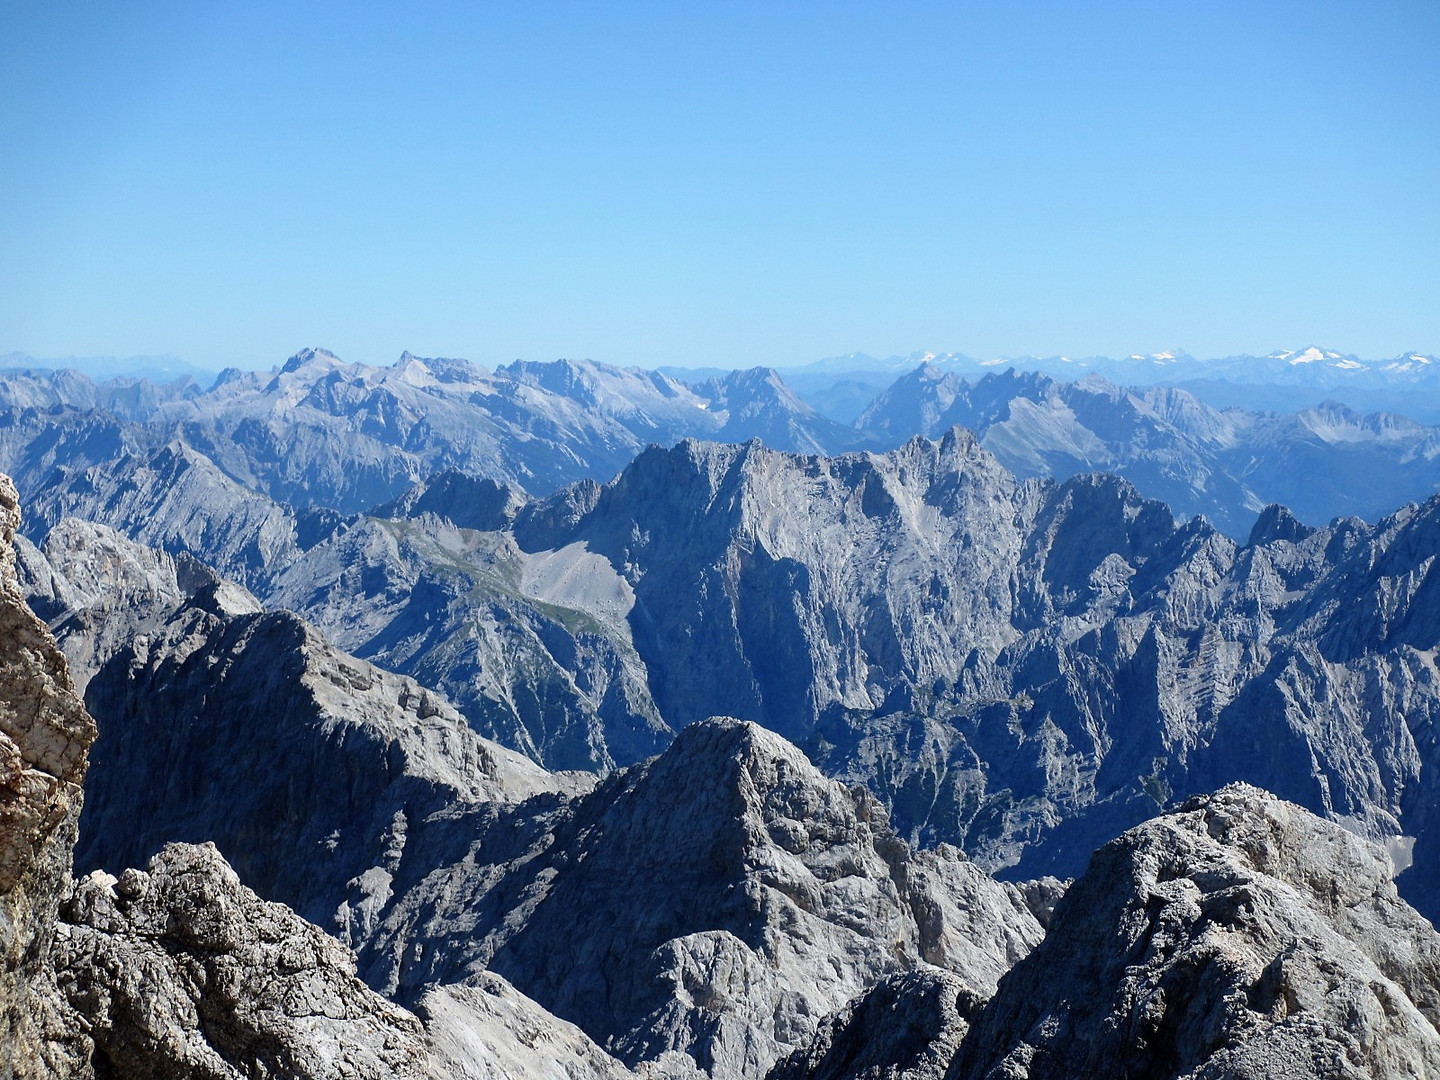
[721, 183]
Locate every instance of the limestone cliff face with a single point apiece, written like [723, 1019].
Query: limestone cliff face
[1024, 669]
[714, 903]
[45, 734]
[1238, 937]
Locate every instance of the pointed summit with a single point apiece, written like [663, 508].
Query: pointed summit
[308, 356]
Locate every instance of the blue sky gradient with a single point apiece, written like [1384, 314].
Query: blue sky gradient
[718, 184]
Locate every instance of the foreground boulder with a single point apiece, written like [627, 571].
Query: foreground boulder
[1239, 937]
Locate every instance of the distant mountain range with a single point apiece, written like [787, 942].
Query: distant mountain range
[693, 761]
[159, 369]
[1322, 462]
[320, 432]
[1308, 366]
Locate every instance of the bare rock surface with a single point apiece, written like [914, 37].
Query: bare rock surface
[45, 734]
[1238, 937]
[906, 1028]
[714, 903]
[724, 909]
[307, 765]
[485, 1029]
[181, 971]
[1023, 669]
[535, 649]
[100, 591]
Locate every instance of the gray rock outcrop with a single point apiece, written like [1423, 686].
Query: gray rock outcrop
[180, 971]
[45, 734]
[485, 1029]
[1238, 937]
[715, 903]
[906, 1028]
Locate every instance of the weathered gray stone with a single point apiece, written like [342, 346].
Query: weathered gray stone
[186, 973]
[714, 903]
[905, 1028]
[485, 1029]
[1238, 937]
[45, 734]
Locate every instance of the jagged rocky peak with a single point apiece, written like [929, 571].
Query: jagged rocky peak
[1240, 936]
[714, 903]
[180, 971]
[45, 736]
[99, 590]
[324, 358]
[207, 701]
[485, 1029]
[752, 387]
[443, 369]
[1277, 523]
[714, 482]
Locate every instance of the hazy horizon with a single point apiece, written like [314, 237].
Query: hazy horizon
[644, 185]
[104, 366]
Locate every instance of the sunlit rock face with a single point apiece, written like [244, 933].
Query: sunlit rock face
[1023, 669]
[1238, 937]
[715, 903]
[180, 971]
[45, 735]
